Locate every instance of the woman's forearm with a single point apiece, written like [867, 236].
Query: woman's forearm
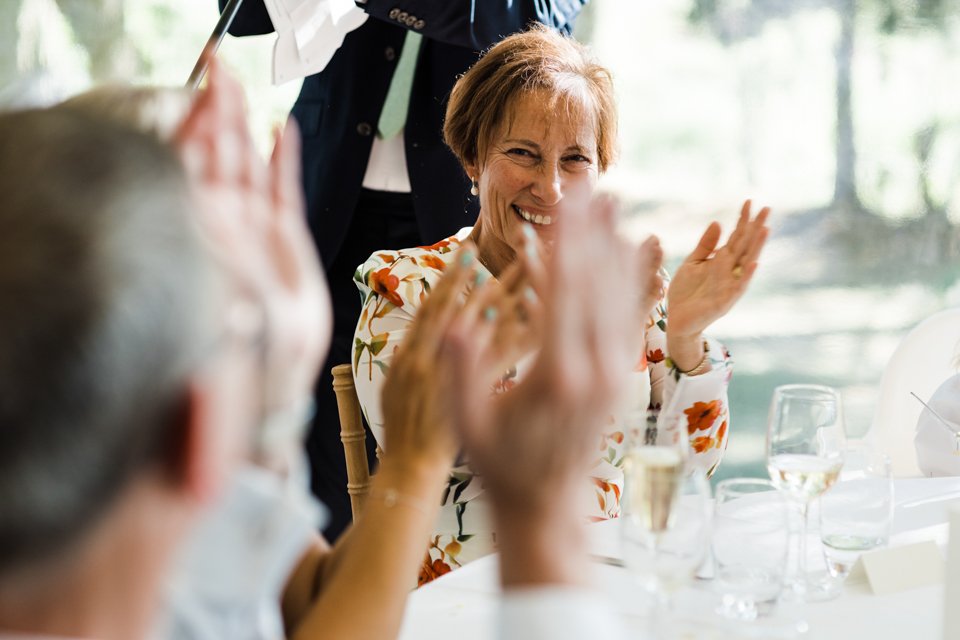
[365, 580]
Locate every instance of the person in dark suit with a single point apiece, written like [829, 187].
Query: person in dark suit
[368, 188]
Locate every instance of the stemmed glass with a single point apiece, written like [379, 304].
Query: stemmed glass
[857, 514]
[805, 444]
[665, 522]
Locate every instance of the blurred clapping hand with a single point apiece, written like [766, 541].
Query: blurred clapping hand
[533, 444]
[252, 214]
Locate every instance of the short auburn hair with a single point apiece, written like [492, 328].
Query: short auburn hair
[538, 60]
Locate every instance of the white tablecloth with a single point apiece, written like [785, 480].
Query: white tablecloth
[462, 605]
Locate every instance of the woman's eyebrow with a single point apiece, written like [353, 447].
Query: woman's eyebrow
[529, 143]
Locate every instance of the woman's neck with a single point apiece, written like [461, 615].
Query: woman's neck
[495, 254]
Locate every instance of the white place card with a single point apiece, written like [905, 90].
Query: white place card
[896, 569]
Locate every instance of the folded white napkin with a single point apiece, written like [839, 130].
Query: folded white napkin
[936, 441]
[309, 32]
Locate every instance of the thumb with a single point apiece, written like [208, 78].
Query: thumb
[708, 243]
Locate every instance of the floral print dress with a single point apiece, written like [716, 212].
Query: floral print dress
[393, 284]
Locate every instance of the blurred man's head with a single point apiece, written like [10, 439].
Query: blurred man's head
[121, 382]
[150, 109]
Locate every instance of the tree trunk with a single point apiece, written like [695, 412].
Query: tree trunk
[9, 37]
[845, 185]
[99, 28]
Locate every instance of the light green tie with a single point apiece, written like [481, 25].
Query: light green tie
[394, 114]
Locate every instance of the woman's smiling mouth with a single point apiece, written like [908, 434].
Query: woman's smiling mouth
[533, 218]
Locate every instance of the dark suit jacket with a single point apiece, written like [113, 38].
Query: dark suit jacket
[338, 109]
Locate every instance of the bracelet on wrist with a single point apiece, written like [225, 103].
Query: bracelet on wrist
[392, 498]
[702, 366]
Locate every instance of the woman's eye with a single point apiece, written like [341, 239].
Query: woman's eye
[523, 153]
[577, 158]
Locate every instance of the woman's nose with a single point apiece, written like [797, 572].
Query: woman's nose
[547, 187]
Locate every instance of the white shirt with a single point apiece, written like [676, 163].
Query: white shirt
[387, 166]
[557, 613]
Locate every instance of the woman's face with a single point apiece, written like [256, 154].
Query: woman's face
[540, 154]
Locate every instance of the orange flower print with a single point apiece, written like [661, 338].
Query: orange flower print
[656, 356]
[603, 485]
[721, 432]
[431, 261]
[702, 415]
[385, 284]
[443, 244]
[432, 570]
[386, 257]
[617, 436]
[702, 443]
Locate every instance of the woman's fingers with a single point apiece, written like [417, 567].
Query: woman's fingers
[754, 239]
[438, 309]
[292, 179]
[707, 244]
[736, 241]
[650, 283]
[760, 235]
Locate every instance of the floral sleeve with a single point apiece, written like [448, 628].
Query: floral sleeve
[392, 286]
[694, 407]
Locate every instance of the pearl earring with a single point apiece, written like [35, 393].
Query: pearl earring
[474, 189]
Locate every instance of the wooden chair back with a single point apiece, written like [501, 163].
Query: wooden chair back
[353, 437]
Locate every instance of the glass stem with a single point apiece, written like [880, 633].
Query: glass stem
[662, 600]
[802, 559]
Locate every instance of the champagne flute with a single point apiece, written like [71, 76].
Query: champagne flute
[805, 443]
[665, 523]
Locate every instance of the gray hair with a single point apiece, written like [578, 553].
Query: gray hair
[107, 298]
[156, 110]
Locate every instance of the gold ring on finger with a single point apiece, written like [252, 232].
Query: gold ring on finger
[737, 272]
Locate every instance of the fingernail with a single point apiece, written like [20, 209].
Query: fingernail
[530, 294]
[530, 244]
[489, 314]
[466, 257]
[480, 277]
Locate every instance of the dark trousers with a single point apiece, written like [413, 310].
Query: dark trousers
[382, 220]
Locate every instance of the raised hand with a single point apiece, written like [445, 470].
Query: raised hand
[650, 278]
[711, 280]
[495, 314]
[252, 216]
[532, 445]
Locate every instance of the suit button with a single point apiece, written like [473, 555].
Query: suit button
[390, 54]
[419, 24]
[402, 16]
[411, 20]
[394, 13]
[364, 129]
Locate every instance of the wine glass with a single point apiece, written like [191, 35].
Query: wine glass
[857, 514]
[805, 444]
[665, 523]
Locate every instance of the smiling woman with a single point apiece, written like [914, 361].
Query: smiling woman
[526, 169]
[527, 123]
[533, 124]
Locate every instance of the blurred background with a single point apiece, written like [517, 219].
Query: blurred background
[843, 115]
